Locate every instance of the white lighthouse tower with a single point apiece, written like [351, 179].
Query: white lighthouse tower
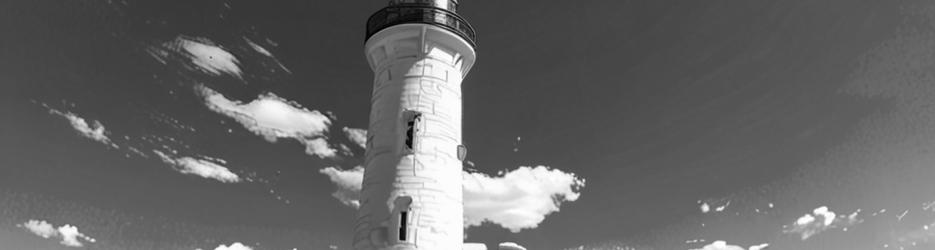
[419, 51]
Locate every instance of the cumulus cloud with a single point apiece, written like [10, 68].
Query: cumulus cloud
[348, 183]
[357, 136]
[518, 199]
[234, 246]
[205, 167]
[273, 117]
[69, 234]
[515, 200]
[40, 228]
[93, 130]
[820, 220]
[200, 54]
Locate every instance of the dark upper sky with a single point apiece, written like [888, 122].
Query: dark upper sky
[766, 109]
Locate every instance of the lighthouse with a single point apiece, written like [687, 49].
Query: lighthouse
[419, 51]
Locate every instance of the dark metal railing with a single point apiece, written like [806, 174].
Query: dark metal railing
[400, 14]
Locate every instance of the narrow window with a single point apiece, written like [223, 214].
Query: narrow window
[412, 128]
[402, 225]
[409, 127]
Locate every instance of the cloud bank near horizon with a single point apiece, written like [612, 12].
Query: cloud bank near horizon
[722, 245]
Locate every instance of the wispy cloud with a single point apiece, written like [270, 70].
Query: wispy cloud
[515, 200]
[205, 167]
[260, 49]
[348, 183]
[93, 130]
[69, 234]
[722, 245]
[820, 220]
[273, 117]
[200, 54]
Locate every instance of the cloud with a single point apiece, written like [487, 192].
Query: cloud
[819, 221]
[69, 234]
[722, 245]
[234, 246]
[515, 200]
[357, 136]
[41, 228]
[719, 245]
[260, 49]
[93, 130]
[759, 247]
[273, 117]
[615, 245]
[708, 206]
[348, 182]
[200, 167]
[510, 246]
[200, 54]
[928, 206]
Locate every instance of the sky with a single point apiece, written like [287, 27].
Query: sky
[672, 124]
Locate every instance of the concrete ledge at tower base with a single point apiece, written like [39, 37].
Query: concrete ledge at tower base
[474, 246]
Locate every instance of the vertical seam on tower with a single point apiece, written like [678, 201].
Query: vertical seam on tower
[423, 49]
